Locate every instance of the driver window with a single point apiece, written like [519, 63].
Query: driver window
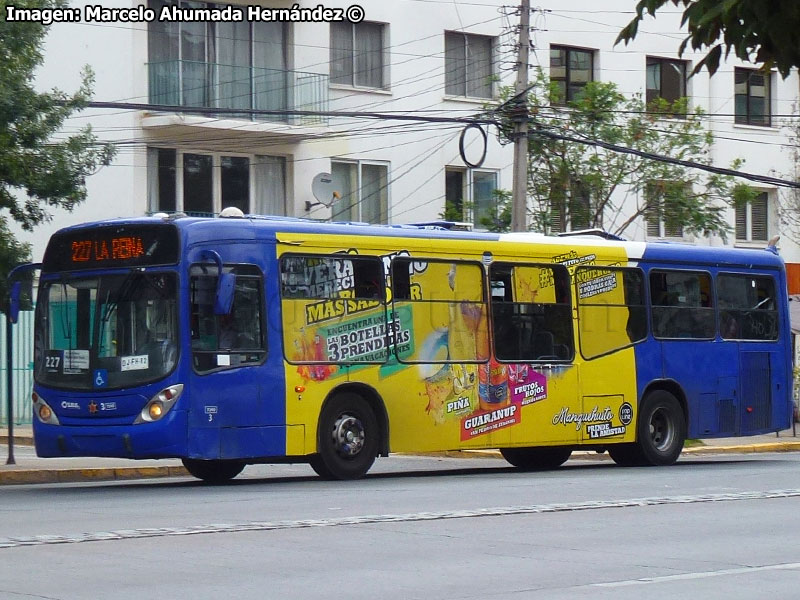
[234, 339]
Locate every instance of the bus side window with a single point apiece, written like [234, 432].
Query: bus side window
[531, 313]
[368, 279]
[401, 279]
[611, 309]
[747, 307]
[682, 305]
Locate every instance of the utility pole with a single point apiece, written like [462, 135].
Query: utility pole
[519, 202]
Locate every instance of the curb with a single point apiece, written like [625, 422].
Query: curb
[745, 448]
[26, 476]
[19, 440]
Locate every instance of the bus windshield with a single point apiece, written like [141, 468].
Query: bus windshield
[107, 331]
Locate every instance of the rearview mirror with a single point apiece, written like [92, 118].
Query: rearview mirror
[223, 301]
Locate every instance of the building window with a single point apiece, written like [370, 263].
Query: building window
[570, 207]
[751, 220]
[666, 79]
[752, 96]
[660, 220]
[364, 192]
[205, 183]
[468, 65]
[570, 70]
[357, 54]
[471, 193]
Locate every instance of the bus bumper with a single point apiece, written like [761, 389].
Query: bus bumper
[163, 439]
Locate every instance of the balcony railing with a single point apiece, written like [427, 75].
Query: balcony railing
[209, 85]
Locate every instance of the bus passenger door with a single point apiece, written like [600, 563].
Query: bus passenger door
[228, 352]
[532, 338]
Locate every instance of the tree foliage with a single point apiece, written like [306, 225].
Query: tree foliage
[12, 253]
[592, 187]
[39, 170]
[759, 31]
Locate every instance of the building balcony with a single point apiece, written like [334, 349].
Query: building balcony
[209, 85]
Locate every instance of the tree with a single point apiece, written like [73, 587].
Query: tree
[592, 187]
[38, 171]
[760, 31]
[12, 253]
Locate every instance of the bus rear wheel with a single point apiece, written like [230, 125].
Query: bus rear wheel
[348, 437]
[213, 471]
[661, 428]
[536, 459]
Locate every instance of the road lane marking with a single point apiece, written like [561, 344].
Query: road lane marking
[697, 575]
[129, 534]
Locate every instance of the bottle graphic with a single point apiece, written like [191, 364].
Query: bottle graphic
[493, 392]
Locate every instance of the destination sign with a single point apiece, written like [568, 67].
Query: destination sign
[124, 245]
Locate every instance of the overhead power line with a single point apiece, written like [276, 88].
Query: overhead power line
[537, 130]
[387, 116]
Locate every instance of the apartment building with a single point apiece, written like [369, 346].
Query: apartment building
[435, 58]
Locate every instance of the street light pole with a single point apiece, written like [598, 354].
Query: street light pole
[10, 390]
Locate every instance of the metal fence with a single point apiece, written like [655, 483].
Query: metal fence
[210, 85]
[22, 354]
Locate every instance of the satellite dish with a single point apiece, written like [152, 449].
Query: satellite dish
[326, 188]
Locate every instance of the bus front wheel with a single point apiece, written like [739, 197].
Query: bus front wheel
[348, 437]
[213, 471]
[661, 428]
[536, 459]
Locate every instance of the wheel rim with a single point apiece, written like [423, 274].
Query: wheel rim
[348, 436]
[662, 430]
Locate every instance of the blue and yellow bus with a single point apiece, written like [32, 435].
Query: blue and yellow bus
[232, 341]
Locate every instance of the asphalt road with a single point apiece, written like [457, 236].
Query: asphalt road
[428, 528]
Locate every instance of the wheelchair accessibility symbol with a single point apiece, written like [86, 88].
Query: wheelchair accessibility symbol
[100, 377]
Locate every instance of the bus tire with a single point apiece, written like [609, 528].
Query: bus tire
[213, 471]
[536, 459]
[348, 438]
[661, 428]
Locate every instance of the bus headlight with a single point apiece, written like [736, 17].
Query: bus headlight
[160, 404]
[43, 411]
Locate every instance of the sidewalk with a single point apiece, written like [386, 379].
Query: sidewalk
[29, 468]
